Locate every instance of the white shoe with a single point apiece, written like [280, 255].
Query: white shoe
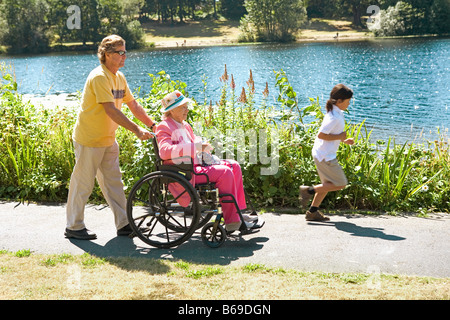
[255, 224]
[249, 218]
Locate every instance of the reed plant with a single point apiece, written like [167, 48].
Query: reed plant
[36, 152]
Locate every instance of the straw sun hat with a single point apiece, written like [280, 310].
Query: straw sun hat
[173, 100]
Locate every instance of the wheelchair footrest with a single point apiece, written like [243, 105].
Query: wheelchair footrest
[249, 231]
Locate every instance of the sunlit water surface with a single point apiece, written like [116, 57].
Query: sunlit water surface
[401, 86]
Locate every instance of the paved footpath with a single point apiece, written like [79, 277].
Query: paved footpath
[347, 243]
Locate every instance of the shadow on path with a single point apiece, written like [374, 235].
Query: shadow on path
[192, 250]
[359, 231]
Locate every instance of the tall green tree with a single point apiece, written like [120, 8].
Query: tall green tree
[27, 27]
[357, 9]
[118, 17]
[90, 24]
[272, 20]
[57, 17]
[323, 8]
[440, 17]
[232, 9]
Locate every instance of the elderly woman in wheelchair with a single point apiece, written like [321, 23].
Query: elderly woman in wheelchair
[177, 141]
[165, 207]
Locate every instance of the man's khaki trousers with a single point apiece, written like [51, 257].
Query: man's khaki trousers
[103, 164]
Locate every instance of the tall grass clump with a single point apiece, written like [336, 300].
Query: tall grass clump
[36, 156]
[267, 132]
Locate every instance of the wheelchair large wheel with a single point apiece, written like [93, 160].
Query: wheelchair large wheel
[163, 209]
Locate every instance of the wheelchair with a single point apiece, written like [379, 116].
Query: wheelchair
[164, 209]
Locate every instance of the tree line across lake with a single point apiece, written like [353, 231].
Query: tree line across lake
[35, 26]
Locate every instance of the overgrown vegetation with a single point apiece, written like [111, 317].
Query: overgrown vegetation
[36, 152]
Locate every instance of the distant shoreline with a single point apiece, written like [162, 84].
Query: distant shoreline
[198, 43]
[191, 35]
[172, 44]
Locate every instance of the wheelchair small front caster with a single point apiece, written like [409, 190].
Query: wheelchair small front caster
[213, 235]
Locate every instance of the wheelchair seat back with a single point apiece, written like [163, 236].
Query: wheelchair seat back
[184, 168]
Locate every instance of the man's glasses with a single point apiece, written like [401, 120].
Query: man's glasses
[121, 52]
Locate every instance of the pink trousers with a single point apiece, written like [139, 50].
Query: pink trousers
[228, 179]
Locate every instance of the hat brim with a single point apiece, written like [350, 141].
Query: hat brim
[175, 105]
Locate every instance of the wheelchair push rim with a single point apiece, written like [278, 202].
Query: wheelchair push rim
[163, 209]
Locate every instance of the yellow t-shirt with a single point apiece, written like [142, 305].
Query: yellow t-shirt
[94, 128]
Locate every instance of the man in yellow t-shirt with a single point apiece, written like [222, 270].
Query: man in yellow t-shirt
[95, 145]
[94, 128]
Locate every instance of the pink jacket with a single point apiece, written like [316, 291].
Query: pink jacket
[172, 144]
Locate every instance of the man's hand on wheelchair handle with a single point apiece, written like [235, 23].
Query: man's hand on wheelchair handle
[143, 134]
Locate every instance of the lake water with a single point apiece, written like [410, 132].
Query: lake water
[401, 86]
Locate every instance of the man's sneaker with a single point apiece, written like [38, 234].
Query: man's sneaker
[304, 196]
[83, 234]
[315, 216]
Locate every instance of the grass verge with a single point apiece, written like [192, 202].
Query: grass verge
[36, 277]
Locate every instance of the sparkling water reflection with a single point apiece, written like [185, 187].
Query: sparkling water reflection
[401, 86]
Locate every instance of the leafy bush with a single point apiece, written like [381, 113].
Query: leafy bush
[404, 19]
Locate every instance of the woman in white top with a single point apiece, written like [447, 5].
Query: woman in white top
[326, 144]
